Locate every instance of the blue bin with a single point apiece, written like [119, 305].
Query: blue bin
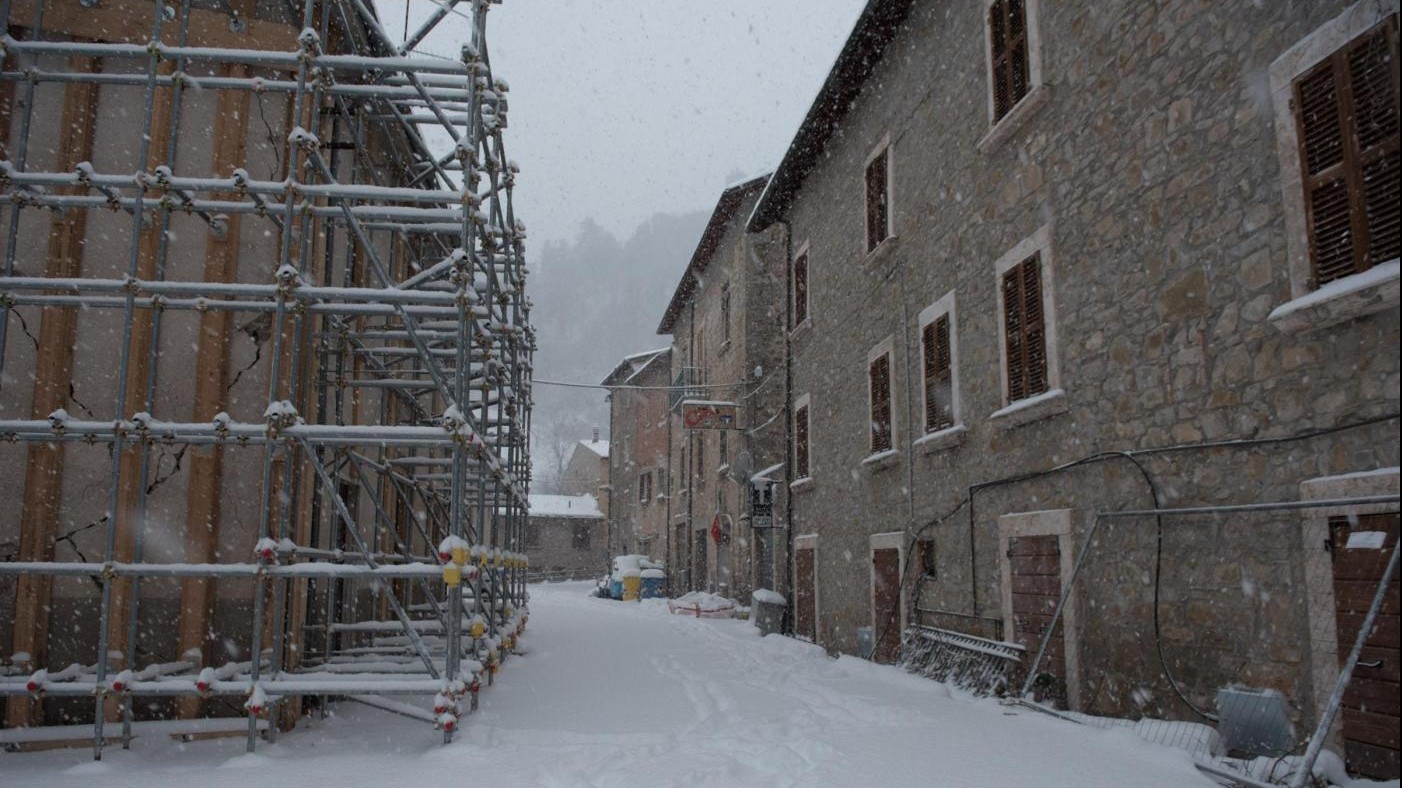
[654, 586]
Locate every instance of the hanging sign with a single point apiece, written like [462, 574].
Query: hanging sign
[703, 415]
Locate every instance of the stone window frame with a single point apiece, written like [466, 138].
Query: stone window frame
[1356, 295]
[803, 403]
[886, 541]
[1000, 129]
[1319, 568]
[809, 542]
[953, 435]
[1049, 522]
[876, 460]
[871, 253]
[1052, 401]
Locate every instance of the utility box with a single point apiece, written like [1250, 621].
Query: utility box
[767, 611]
[866, 642]
[1254, 722]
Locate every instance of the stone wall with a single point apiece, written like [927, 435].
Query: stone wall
[747, 361]
[639, 446]
[555, 550]
[1148, 162]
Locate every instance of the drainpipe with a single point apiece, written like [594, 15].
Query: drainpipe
[788, 431]
[612, 483]
[667, 488]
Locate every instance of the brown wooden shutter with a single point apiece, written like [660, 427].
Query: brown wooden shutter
[1026, 340]
[939, 405]
[1011, 69]
[800, 451]
[877, 220]
[880, 371]
[800, 288]
[1346, 115]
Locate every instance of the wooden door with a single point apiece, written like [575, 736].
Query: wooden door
[1361, 549]
[886, 604]
[805, 594]
[1035, 562]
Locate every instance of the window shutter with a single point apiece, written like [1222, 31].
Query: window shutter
[998, 40]
[800, 459]
[1025, 325]
[1035, 344]
[1346, 115]
[939, 405]
[800, 288]
[876, 191]
[880, 371]
[1018, 66]
[1373, 76]
[1012, 319]
[1011, 68]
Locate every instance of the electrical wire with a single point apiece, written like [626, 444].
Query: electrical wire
[1132, 456]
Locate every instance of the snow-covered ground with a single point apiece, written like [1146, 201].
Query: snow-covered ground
[623, 694]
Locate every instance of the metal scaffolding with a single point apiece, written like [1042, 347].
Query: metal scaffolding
[398, 369]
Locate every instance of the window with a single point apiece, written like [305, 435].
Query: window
[645, 487]
[1010, 63]
[725, 312]
[925, 556]
[800, 288]
[532, 534]
[582, 534]
[724, 448]
[700, 456]
[937, 353]
[800, 441]
[1346, 119]
[1025, 336]
[878, 198]
[879, 374]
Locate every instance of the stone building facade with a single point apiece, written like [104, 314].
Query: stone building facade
[1053, 260]
[566, 537]
[726, 319]
[638, 430]
[586, 472]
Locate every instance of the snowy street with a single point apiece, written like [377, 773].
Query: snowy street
[621, 694]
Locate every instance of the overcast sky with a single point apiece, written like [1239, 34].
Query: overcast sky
[625, 108]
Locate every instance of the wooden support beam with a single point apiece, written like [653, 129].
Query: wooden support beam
[58, 326]
[130, 491]
[129, 22]
[205, 483]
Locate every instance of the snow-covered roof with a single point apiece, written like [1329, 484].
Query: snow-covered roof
[564, 506]
[631, 366]
[878, 24]
[600, 448]
[770, 474]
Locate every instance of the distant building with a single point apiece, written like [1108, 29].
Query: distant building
[638, 459]
[566, 537]
[726, 318]
[587, 471]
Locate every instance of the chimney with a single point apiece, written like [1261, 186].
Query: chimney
[596, 434]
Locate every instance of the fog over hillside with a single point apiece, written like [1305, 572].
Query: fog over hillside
[597, 299]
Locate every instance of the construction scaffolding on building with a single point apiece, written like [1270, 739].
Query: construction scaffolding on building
[357, 496]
